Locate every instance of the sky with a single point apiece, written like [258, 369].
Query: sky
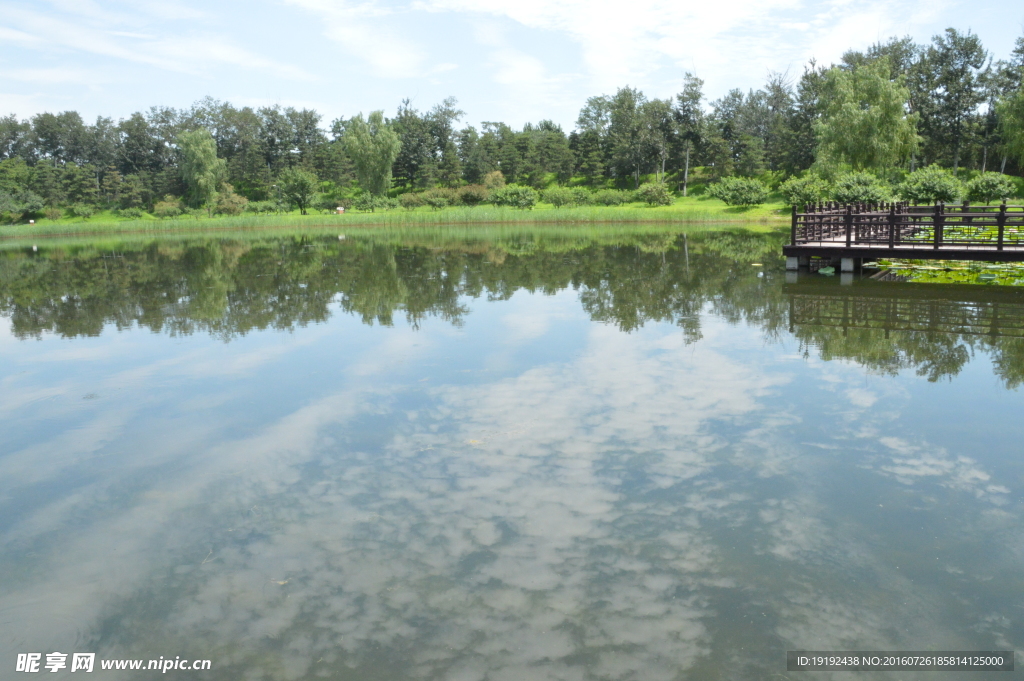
[515, 62]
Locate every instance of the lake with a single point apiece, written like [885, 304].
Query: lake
[568, 455]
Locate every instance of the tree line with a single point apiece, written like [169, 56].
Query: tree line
[872, 120]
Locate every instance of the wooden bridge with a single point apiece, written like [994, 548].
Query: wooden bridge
[853, 232]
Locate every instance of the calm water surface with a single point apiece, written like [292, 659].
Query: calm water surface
[505, 459]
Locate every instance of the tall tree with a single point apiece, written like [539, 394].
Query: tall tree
[625, 133]
[201, 170]
[808, 108]
[298, 186]
[1011, 119]
[866, 124]
[657, 134]
[15, 138]
[689, 115]
[60, 137]
[442, 119]
[373, 147]
[955, 75]
[416, 164]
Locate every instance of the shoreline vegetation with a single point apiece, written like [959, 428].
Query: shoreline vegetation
[690, 211]
[434, 236]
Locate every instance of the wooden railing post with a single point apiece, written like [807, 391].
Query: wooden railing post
[1001, 223]
[849, 225]
[939, 207]
[792, 240]
[892, 225]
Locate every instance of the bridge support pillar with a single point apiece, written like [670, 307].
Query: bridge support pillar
[794, 262]
[845, 278]
[850, 264]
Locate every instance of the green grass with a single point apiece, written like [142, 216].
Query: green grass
[691, 210]
[430, 235]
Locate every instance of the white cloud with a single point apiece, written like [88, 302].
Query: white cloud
[53, 76]
[358, 29]
[190, 53]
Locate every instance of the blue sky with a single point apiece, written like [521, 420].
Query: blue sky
[514, 61]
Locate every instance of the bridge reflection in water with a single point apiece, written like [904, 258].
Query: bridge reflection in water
[931, 308]
[888, 327]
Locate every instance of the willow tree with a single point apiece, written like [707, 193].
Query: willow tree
[1011, 123]
[201, 170]
[373, 147]
[865, 124]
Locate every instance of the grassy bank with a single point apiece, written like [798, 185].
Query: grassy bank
[429, 235]
[682, 212]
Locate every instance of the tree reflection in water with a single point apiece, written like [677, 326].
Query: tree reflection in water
[229, 287]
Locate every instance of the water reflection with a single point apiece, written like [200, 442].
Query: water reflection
[498, 460]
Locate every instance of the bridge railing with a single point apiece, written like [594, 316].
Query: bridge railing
[901, 225]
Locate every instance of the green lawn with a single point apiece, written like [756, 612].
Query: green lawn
[691, 210]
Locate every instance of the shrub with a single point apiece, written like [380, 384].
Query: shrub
[581, 196]
[131, 213]
[411, 200]
[860, 188]
[655, 194]
[801, 191]
[19, 204]
[326, 204]
[494, 180]
[53, 213]
[364, 202]
[559, 196]
[230, 203]
[370, 203]
[440, 197]
[989, 186]
[168, 208]
[197, 213]
[82, 211]
[739, 191]
[516, 196]
[260, 207]
[474, 194]
[610, 197]
[931, 184]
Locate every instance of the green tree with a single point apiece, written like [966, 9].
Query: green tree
[516, 196]
[739, 191]
[802, 191]
[1011, 124]
[934, 183]
[988, 186]
[689, 120]
[655, 194]
[15, 138]
[201, 170]
[953, 74]
[860, 188]
[865, 123]
[559, 196]
[298, 187]
[80, 184]
[373, 147]
[626, 133]
[808, 108]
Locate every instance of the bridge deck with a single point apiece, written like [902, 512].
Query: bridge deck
[965, 232]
